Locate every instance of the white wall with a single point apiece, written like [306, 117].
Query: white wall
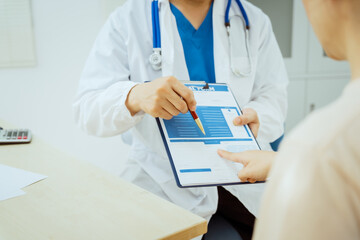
[40, 97]
[315, 80]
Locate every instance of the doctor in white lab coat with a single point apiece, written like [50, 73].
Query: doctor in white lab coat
[119, 61]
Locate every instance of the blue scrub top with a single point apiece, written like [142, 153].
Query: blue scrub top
[198, 46]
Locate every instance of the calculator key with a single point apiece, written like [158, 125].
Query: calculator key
[25, 137]
[14, 134]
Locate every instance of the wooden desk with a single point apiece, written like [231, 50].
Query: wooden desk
[79, 201]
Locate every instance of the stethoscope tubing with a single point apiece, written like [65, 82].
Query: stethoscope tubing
[157, 33]
[243, 12]
[227, 20]
[156, 24]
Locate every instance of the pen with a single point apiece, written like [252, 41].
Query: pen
[198, 122]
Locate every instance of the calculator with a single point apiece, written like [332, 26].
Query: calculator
[8, 136]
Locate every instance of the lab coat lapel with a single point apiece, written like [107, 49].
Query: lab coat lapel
[173, 57]
[222, 61]
[221, 44]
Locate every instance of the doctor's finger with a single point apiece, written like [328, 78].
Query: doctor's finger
[244, 119]
[186, 94]
[164, 114]
[254, 128]
[178, 102]
[170, 108]
[249, 116]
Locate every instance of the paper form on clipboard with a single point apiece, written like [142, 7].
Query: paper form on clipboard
[193, 155]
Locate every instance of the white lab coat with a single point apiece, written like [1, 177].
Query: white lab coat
[120, 59]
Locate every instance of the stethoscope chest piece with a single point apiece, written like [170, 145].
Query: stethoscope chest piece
[155, 60]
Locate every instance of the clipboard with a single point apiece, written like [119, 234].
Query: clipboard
[192, 155]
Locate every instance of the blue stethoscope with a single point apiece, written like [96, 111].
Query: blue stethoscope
[156, 59]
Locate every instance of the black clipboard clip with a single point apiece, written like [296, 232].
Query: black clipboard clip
[206, 86]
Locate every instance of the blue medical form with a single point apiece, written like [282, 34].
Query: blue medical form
[214, 123]
[193, 155]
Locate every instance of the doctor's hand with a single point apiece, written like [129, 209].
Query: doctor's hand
[164, 97]
[249, 117]
[257, 164]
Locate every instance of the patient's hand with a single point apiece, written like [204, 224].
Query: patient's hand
[257, 164]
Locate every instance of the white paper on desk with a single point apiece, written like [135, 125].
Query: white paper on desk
[13, 179]
[11, 194]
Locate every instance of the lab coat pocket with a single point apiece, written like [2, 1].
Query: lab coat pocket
[184, 197]
[240, 55]
[240, 66]
[200, 201]
[154, 165]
